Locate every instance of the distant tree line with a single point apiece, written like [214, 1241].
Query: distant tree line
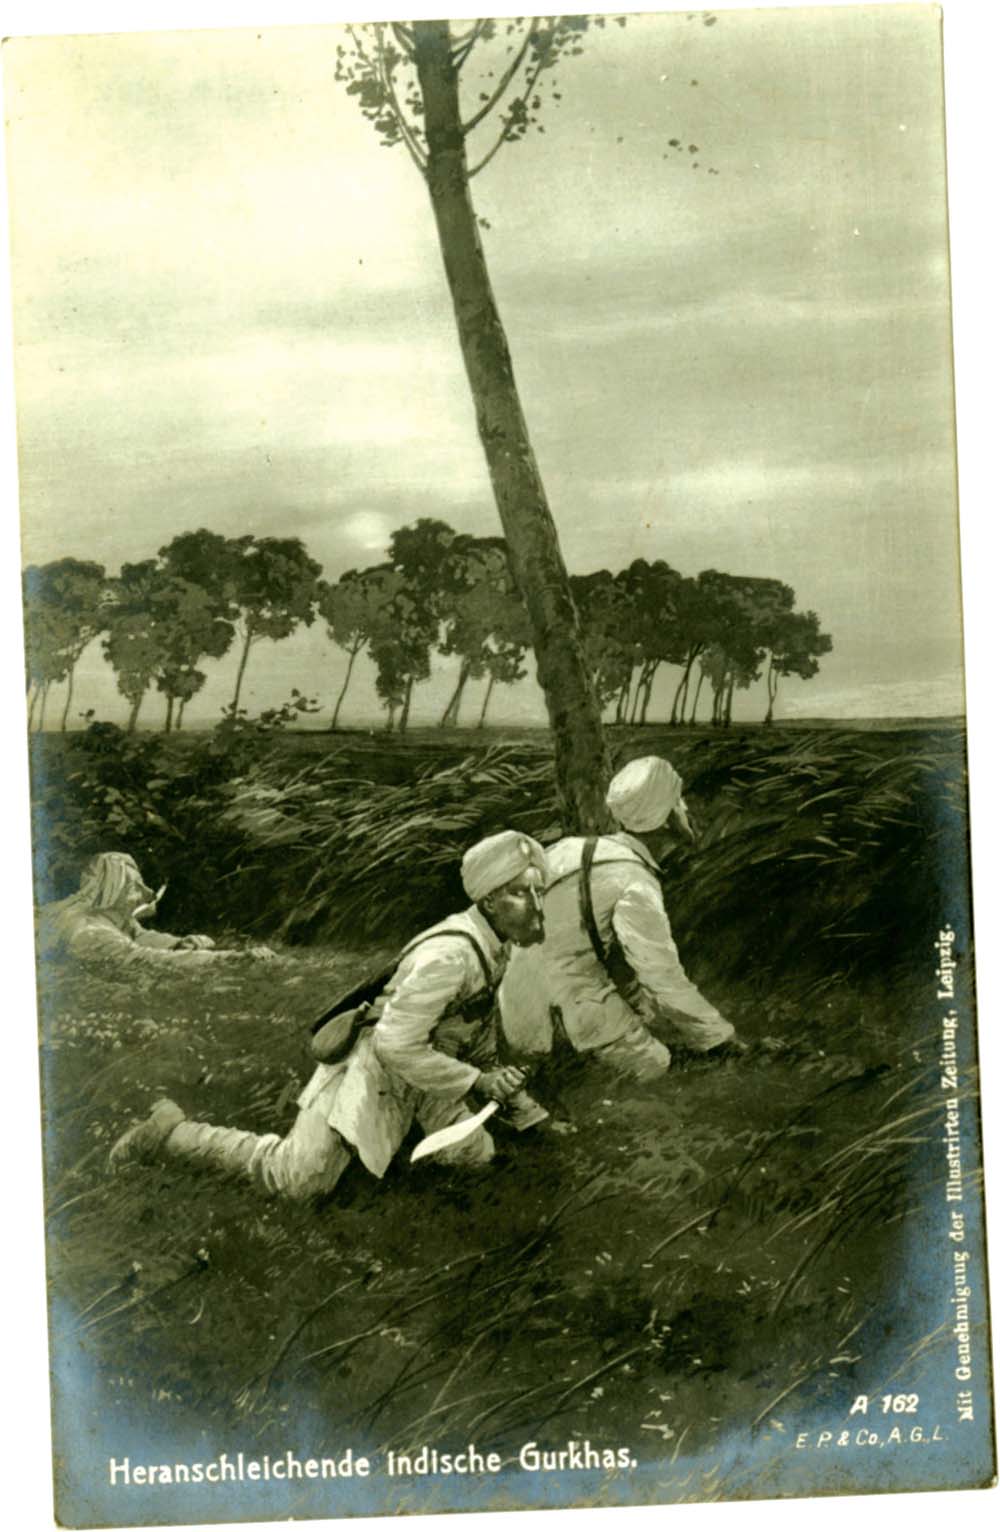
[438, 591]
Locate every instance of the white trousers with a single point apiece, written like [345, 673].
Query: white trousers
[311, 1158]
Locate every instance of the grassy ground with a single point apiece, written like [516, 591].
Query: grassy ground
[720, 1249]
[666, 1264]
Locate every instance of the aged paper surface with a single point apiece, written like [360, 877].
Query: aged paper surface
[934, 641]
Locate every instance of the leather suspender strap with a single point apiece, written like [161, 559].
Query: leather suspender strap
[467, 936]
[587, 899]
[431, 936]
[605, 861]
[370, 990]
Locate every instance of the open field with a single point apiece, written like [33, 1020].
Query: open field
[730, 1251]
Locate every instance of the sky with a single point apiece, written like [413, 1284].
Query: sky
[230, 311]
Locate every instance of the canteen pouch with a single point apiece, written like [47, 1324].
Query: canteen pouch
[336, 1037]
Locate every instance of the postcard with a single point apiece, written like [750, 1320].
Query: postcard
[495, 711]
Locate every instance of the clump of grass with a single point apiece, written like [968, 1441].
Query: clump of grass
[342, 854]
[825, 853]
[822, 853]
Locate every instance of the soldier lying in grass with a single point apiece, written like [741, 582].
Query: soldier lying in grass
[609, 963]
[428, 1040]
[101, 925]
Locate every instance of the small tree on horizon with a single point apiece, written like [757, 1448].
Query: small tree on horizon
[347, 609]
[274, 587]
[796, 644]
[64, 611]
[484, 620]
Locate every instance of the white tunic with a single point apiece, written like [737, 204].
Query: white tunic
[95, 938]
[370, 1098]
[564, 971]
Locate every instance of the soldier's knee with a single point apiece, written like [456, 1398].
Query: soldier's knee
[308, 1163]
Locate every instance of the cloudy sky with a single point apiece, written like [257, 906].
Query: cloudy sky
[230, 311]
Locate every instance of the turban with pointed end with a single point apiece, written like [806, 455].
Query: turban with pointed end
[644, 794]
[497, 860]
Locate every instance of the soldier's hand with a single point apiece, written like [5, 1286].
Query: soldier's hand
[194, 944]
[500, 1083]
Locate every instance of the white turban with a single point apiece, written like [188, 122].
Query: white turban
[105, 877]
[644, 794]
[497, 860]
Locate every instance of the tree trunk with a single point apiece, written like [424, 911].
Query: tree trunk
[685, 685]
[727, 720]
[622, 709]
[486, 702]
[169, 720]
[35, 694]
[390, 717]
[677, 698]
[450, 714]
[133, 717]
[651, 670]
[640, 683]
[179, 720]
[41, 714]
[772, 691]
[697, 694]
[581, 758]
[69, 696]
[343, 689]
[682, 690]
[404, 716]
[242, 667]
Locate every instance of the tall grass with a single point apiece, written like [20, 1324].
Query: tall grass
[823, 852]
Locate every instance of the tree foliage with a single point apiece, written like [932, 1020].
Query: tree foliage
[437, 592]
[63, 612]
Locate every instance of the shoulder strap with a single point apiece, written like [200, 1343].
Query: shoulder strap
[430, 936]
[587, 899]
[604, 861]
[370, 989]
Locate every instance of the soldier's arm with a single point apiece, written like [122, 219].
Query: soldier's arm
[156, 940]
[98, 941]
[643, 930]
[168, 943]
[427, 983]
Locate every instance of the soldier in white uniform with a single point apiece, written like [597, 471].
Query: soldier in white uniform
[609, 961]
[431, 1038]
[101, 927]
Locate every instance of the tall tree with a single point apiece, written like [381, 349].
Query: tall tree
[407, 81]
[702, 613]
[652, 593]
[64, 604]
[400, 632]
[133, 642]
[274, 585]
[44, 652]
[607, 622]
[795, 644]
[358, 611]
[484, 620]
[188, 628]
[158, 627]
